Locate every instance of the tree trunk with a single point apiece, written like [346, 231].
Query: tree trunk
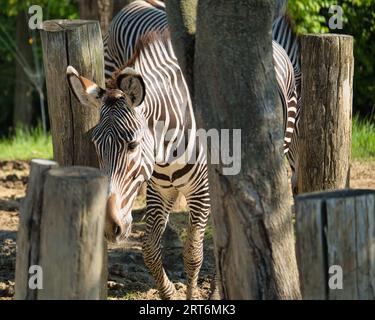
[182, 22]
[235, 87]
[71, 234]
[23, 92]
[28, 236]
[119, 4]
[325, 127]
[77, 43]
[336, 230]
[88, 10]
[101, 10]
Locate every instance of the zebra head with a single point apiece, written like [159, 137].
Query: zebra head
[122, 141]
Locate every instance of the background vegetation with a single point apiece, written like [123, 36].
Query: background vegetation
[22, 90]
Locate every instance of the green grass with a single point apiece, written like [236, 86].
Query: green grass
[26, 144]
[363, 139]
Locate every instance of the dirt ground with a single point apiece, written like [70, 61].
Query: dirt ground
[128, 276]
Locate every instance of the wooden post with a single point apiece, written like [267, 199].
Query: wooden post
[77, 43]
[28, 236]
[72, 228]
[336, 229]
[325, 126]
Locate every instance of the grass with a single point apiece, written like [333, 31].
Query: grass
[363, 139]
[26, 144]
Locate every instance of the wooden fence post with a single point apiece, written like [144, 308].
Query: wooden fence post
[71, 233]
[325, 126]
[336, 230]
[28, 236]
[77, 43]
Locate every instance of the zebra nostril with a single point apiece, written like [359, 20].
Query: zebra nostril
[116, 230]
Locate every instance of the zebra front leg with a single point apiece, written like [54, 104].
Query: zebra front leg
[193, 248]
[158, 209]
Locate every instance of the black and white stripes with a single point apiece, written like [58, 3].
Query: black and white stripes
[138, 38]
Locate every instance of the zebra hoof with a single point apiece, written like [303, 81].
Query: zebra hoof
[169, 294]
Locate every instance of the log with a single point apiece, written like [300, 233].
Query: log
[325, 125]
[28, 236]
[72, 229]
[77, 43]
[336, 228]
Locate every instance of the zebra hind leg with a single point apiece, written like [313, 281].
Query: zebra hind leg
[193, 247]
[158, 208]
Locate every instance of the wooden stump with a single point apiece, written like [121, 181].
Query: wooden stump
[28, 236]
[77, 43]
[325, 125]
[72, 229]
[336, 229]
[61, 233]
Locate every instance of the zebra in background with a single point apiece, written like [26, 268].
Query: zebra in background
[130, 24]
[142, 17]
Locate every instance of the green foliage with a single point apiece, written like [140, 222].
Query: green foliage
[9, 9]
[26, 144]
[52, 9]
[308, 15]
[358, 21]
[363, 139]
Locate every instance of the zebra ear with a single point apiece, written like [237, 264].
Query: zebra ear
[131, 83]
[86, 91]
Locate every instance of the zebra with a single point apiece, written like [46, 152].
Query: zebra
[142, 17]
[146, 115]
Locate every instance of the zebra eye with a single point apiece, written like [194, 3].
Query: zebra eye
[132, 145]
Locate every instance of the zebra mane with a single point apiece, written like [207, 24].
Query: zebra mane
[142, 44]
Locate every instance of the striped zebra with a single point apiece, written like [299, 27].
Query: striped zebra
[142, 17]
[139, 138]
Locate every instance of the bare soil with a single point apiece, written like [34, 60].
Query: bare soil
[128, 277]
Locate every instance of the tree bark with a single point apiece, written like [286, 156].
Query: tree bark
[28, 236]
[101, 10]
[77, 43]
[182, 23]
[119, 4]
[235, 87]
[325, 126]
[336, 229]
[88, 10]
[71, 234]
[23, 92]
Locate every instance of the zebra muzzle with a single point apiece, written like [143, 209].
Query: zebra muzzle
[114, 228]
